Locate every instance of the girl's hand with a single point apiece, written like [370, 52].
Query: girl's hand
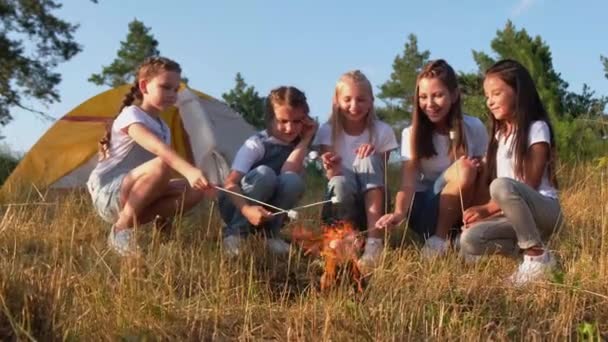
[474, 214]
[197, 179]
[331, 164]
[309, 127]
[390, 220]
[255, 214]
[365, 150]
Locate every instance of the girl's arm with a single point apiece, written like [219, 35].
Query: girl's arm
[404, 196]
[146, 139]
[536, 163]
[295, 161]
[331, 162]
[407, 190]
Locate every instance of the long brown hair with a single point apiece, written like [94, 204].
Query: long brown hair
[528, 108]
[422, 127]
[150, 67]
[283, 96]
[336, 120]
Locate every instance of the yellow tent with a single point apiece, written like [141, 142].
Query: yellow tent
[205, 131]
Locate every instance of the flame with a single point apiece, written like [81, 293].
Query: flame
[338, 245]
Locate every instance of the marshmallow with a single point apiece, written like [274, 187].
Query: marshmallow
[333, 244]
[334, 199]
[292, 214]
[452, 135]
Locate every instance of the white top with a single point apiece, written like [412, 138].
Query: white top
[121, 143]
[346, 145]
[253, 151]
[505, 159]
[431, 168]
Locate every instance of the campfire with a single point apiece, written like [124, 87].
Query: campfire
[339, 246]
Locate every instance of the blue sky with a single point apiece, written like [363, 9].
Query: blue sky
[309, 44]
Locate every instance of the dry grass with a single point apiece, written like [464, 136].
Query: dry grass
[59, 281]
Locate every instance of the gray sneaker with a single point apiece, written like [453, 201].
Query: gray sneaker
[277, 246]
[122, 242]
[232, 245]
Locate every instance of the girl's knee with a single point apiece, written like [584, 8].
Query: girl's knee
[501, 188]
[470, 242]
[373, 162]
[262, 176]
[465, 175]
[291, 182]
[341, 187]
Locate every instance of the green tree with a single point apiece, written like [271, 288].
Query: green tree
[139, 45]
[605, 63]
[398, 92]
[33, 41]
[245, 100]
[471, 91]
[584, 104]
[535, 55]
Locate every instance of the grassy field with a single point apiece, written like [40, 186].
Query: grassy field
[59, 281]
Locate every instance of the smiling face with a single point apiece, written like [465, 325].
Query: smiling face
[288, 122]
[435, 99]
[160, 91]
[354, 101]
[500, 98]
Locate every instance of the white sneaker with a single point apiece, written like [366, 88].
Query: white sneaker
[533, 268]
[122, 242]
[435, 247]
[232, 244]
[371, 255]
[277, 246]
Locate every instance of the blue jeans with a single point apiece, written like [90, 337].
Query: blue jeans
[425, 209]
[350, 188]
[263, 184]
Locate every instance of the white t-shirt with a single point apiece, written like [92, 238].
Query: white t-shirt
[505, 159]
[121, 143]
[253, 151]
[346, 145]
[431, 168]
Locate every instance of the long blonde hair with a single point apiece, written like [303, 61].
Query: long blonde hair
[149, 68]
[336, 120]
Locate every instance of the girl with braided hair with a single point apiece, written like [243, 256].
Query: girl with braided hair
[131, 183]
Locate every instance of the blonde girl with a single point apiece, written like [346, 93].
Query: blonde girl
[354, 146]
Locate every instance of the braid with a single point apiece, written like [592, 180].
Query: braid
[104, 142]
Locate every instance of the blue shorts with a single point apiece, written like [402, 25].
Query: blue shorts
[106, 197]
[425, 209]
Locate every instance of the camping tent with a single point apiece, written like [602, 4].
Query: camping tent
[204, 131]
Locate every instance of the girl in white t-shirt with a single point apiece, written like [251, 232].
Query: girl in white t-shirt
[131, 183]
[524, 209]
[354, 146]
[441, 153]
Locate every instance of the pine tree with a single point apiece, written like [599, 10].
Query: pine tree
[245, 100]
[139, 45]
[398, 91]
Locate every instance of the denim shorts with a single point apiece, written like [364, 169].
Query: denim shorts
[425, 209]
[106, 197]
